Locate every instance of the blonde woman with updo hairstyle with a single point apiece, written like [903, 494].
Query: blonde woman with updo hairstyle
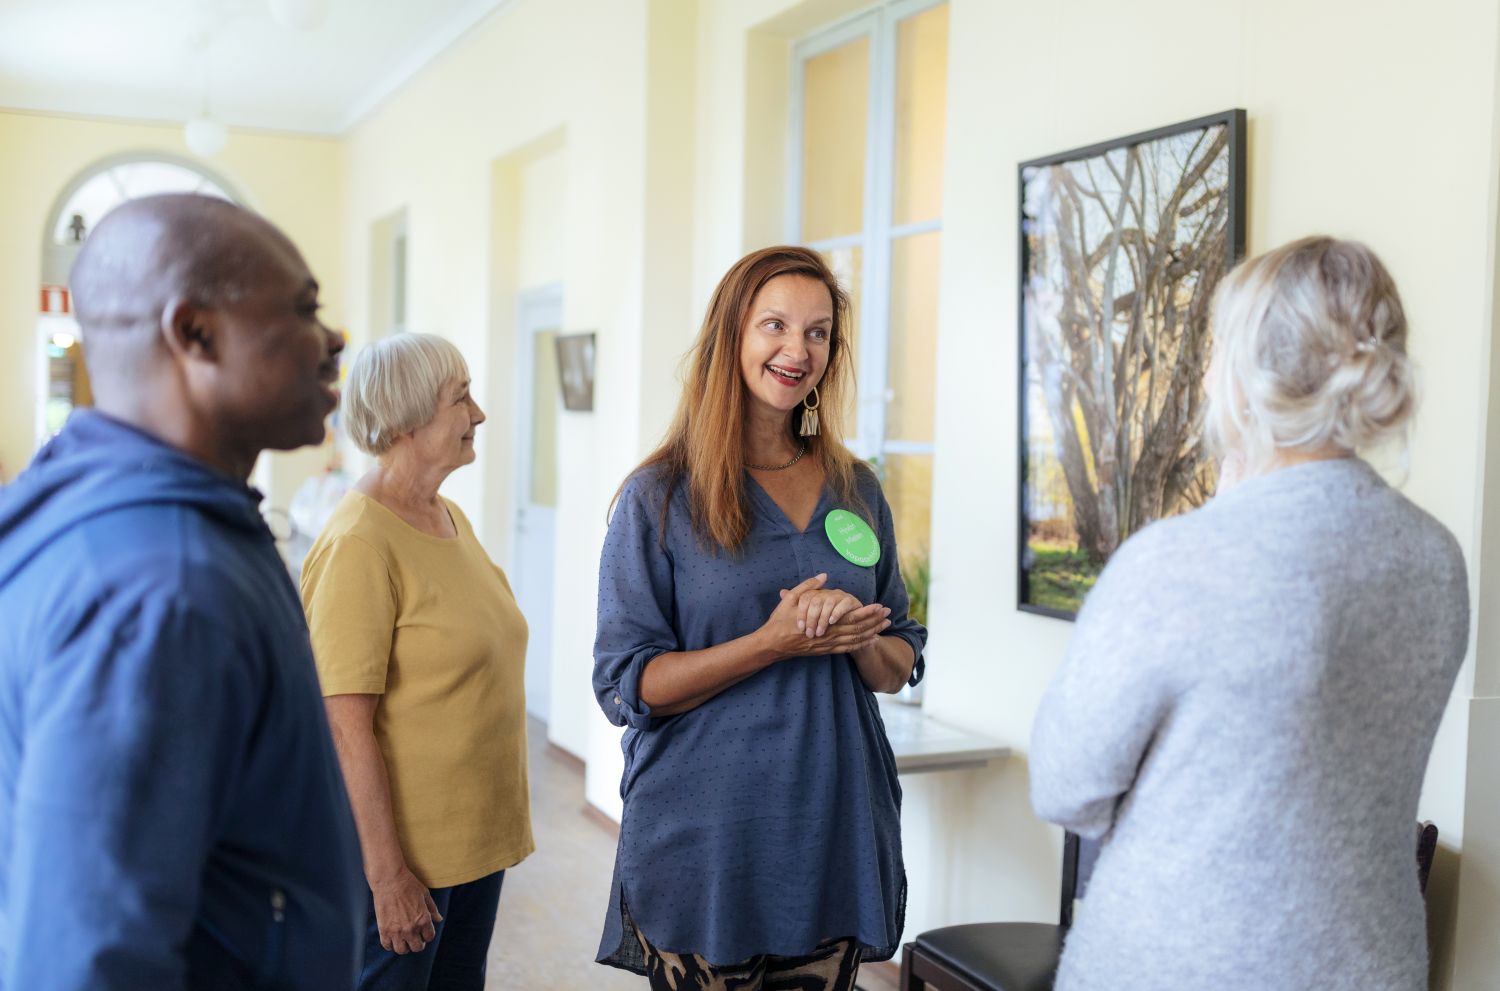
[750, 606]
[1248, 704]
[421, 652]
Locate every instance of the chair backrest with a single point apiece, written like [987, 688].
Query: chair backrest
[1427, 835]
[1079, 856]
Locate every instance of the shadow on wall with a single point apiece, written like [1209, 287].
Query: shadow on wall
[971, 843]
[1442, 913]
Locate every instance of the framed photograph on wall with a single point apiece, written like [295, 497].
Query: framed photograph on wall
[575, 368]
[1122, 246]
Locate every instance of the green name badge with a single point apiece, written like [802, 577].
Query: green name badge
[852, 537]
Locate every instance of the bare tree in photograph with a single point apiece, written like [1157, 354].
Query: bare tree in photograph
[1123, 250]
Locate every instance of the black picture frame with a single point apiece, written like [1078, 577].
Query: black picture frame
[575, 371]
[1084, 180]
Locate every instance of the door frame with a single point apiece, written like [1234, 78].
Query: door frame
[536, 309]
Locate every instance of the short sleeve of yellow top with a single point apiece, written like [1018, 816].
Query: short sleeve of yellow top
[431, 626]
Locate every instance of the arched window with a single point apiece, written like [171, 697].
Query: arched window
[63, 382]
[107, 187]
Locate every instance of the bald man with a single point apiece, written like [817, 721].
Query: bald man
[171, 810]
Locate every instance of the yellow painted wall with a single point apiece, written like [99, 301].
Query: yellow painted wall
[565, 86]
[543, 256]
[1367, 120]
[292, 180]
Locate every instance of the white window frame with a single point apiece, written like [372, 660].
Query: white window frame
[879, 233]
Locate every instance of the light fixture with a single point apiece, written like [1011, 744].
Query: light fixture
[205, 136]
[304, 15]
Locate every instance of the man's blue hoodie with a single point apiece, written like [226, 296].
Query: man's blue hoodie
[171, 809]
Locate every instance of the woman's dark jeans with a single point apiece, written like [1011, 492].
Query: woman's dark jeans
[455, 959]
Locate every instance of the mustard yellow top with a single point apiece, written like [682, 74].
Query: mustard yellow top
[431, 626]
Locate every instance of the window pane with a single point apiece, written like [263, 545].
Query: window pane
[908, 488]
[149, 178]
[68, 386]
[545, 402]
[835, 106]
[847, 264]
[914, 317]
[921, 105]
[108, 189]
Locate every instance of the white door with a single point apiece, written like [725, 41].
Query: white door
[539, 399]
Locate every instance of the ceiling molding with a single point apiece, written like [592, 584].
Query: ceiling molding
[146, 61]
[445, 36]
[170, 123]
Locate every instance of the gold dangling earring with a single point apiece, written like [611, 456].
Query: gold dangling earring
[810, 414]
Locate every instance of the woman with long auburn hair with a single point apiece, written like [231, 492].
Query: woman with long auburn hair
[750, 604]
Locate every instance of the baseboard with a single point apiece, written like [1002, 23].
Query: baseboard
[604, 822]
[571, 760]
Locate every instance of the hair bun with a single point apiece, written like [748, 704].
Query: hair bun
[1312, 339]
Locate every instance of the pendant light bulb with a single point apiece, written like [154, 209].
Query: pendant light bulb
[205, 136]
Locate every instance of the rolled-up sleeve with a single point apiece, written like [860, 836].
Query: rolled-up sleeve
[890, 591]
[635, 606]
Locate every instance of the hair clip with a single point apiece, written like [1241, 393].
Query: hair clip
[1368, 345]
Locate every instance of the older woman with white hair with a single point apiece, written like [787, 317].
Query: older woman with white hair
[420, 649]
[1252, 691]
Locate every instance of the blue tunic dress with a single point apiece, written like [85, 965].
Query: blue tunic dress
[768, 818]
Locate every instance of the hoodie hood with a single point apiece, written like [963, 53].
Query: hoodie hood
[97, 464]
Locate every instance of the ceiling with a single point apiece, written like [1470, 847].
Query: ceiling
[157, 59]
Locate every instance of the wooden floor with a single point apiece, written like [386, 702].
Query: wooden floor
[879, 977]
[552, 905]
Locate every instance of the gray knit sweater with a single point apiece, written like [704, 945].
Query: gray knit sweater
[1245, 714]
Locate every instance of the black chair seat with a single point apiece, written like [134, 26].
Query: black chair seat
[1023, 956]
[1005, 956]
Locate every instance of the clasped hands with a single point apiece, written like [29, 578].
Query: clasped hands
[812, 620]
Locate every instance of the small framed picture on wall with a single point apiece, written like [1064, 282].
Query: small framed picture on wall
[575, 367]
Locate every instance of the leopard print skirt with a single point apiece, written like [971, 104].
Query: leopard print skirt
[833, 966]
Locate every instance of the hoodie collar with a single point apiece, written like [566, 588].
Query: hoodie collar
[97, 464]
